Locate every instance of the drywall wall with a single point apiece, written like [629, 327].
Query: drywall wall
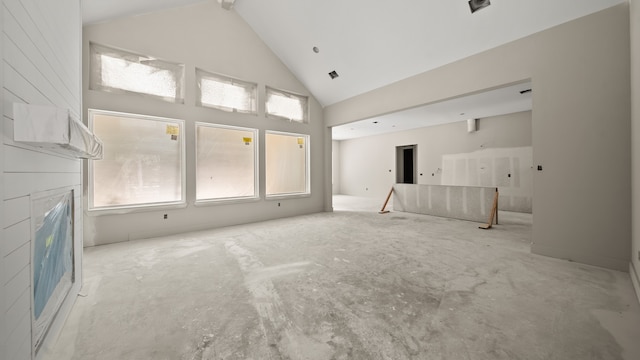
[580, 127]
[40, 65]
[208, 37]
[367, 165]
[509, 169]
[335, 169]
[635, 141]
[472, 203]
[3, 294]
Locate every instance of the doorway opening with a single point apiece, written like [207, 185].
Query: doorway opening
[406, 164]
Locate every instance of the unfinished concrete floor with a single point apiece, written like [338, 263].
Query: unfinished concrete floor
[348, 285]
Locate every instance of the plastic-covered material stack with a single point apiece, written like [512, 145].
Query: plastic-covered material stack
[54, 129]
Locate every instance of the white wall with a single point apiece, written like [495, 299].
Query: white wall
[367, 166]
[40, 65]
[4, 331]
[635, 141]
[335, 167]
[509, 169]
[210, 38]
[580, 126]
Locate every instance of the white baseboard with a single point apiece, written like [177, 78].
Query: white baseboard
[635, 280]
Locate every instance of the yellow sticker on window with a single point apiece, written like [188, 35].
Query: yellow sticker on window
[173, 130]
[300, 141]
[246, 140]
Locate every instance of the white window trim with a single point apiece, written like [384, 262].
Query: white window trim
[124, 209]
[203, 74]
[95, 77]
[289, 94]
[256, 170]
[307, 192]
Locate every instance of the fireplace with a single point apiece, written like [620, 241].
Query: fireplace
[52, 257]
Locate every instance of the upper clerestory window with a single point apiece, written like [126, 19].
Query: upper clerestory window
[226, 93]
[119, 71]
[285, 105]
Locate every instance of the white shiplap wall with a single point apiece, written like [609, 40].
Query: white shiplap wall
[41, 43]
[3, 330]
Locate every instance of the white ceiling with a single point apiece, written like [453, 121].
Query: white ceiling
[372, 43]
[506, 100]
[94, 11]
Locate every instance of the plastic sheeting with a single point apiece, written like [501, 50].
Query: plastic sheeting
[54, 129]
[226, 93]
[225, 163]
[82, 142]
[145, 162]
[287, 163]
[52, 257]
[119, 71]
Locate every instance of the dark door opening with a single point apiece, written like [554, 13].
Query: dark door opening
[406, 164]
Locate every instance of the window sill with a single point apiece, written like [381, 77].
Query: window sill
[216, 202]
[121, 210]
[288, 196]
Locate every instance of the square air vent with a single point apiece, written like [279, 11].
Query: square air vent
[226, 4]
[476, 5]
[333, 74]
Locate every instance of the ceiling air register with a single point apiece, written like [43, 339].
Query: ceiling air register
[476, 5]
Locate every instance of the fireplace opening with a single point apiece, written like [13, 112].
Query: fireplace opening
[52, 258]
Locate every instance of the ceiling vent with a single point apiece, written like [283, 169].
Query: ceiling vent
[476, 5]
[333, 74]
[226, 4]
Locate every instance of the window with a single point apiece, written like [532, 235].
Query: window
[143, 163]
[285, 105]
[124, 72]
[225, 93]
[287, 164]
[226, 165]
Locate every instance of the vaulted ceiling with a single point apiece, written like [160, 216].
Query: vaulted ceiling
[373, 43]
[94, 11]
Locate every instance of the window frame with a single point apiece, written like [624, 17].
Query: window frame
[120, 209]
[203, 74]
[301, 98]
[256, 167]
[95, 75]
[307, 192]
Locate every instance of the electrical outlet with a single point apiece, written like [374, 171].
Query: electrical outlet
[166, 216]
[278, 204]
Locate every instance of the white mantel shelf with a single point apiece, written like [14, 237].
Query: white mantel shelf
[54, 129]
